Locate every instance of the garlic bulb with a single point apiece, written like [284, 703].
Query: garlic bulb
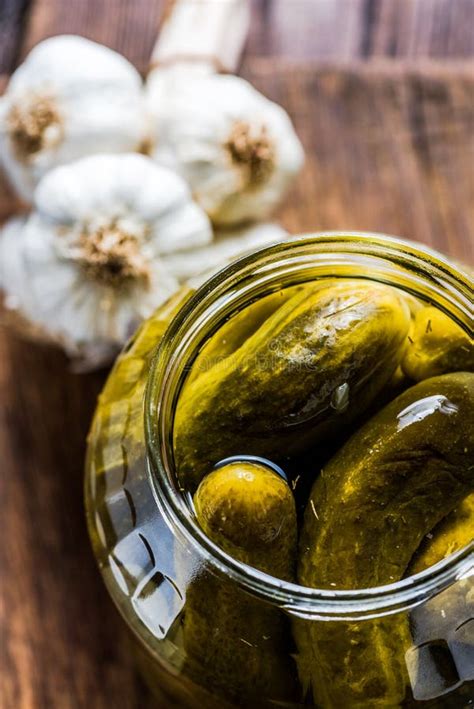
[197, 265]
[237, 150]
[85, 267]
[70, 98]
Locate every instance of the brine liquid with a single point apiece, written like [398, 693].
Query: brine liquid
[152, 576]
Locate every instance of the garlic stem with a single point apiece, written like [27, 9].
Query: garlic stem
[210, 31]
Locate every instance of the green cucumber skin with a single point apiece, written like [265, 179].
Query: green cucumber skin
[375, 501]
[236, 644]
[274, 396]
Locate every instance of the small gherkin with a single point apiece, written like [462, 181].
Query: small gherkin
[235, 644]
[453, 533]
[436, 345]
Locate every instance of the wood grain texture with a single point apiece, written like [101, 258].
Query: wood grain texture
[13, 15]
[128, 27]
[345, 29]
[293, 29]
[62, 645]
[389, 147]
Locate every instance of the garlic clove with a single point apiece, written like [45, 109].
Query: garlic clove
[183, 229]
[11, 262]
[198, 265]
[237, 150]
[70, 61]
[110, 185]
[142, 195]
[70, 97]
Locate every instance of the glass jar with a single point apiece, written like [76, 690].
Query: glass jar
[211, 631]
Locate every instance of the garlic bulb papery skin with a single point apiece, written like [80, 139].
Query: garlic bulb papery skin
[86, 266]
[197, 265]
[237, 150]
[70, 98]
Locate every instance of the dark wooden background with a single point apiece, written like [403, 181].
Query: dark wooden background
[382, 94]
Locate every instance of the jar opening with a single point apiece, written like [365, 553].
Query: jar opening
[417, 270]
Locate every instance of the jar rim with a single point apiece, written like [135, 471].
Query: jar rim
[300, 600]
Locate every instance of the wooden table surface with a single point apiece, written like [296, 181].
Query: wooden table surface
[382, 94]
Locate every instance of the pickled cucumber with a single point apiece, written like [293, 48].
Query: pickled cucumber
[314, 365]
[436, 345]
[446, 618]
[451, 534]
[369, 510]
[233, 333]
[236, 644]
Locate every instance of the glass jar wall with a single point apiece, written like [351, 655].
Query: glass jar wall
[212, 630]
